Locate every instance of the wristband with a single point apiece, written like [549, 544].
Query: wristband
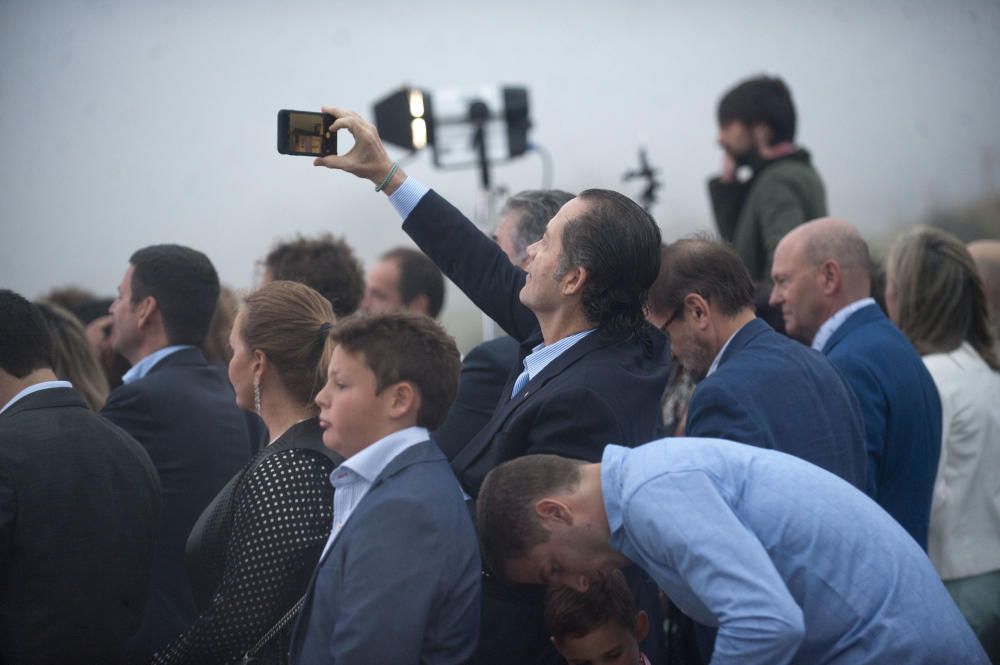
[392, 172]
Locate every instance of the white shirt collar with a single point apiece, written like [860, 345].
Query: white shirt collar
[141, 368]
[718, 356]
[34, 388]
[830, 326]
[371, 461]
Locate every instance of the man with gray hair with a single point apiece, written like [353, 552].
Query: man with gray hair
[485, 369]
[822, 283]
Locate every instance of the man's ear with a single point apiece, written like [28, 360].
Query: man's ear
[641, 625]
[552, 511]
[420, 304]
[404, 398]
[698, 308]
[147, 308]
[762, 135]
[830, 276]
[574, 281]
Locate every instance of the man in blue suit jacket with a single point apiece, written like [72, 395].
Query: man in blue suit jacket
[182, 411]
[822, 282]
[398, 581]
[754, 385]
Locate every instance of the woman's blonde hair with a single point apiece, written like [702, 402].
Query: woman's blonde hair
[939, 295]
[73, 358]
[290, 323]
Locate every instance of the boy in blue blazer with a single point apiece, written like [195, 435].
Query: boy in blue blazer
[398, 581]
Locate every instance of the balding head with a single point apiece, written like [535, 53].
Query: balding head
[819, 268]
[986, 254]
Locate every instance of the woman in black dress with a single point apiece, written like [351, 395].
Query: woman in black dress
[252, 552]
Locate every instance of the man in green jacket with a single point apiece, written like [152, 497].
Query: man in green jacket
[757, 130]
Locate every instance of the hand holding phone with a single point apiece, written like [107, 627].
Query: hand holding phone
[306, 133]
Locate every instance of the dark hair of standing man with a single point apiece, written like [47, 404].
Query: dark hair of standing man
[418, 276]
[325, 264]
[618, 244]
[25, 344]
[706, 266]
[761, 100]
[185, 286]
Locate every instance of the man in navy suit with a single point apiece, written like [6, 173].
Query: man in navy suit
[79, 501]
[591, 369]
[398, 581]
[180, 408]
[486, 367]
[754, 385]
[822, 283]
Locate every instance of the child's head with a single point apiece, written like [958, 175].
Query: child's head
[598, 627]
[387, 372]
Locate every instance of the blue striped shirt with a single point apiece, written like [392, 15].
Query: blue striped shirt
[541, 356]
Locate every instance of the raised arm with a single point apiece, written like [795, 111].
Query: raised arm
[470, 259]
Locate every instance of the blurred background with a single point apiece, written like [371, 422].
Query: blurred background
[125, 124]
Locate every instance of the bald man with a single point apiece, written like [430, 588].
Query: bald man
[986, 254]
[822, 283]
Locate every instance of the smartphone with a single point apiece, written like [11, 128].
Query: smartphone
[306, 133]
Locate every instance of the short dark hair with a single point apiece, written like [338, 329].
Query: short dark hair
[505, 513]
[569, 613]
[761, 100]
[618, 243]
[406, 346]
[185, 286]
[324, 263]
[534, 207]
[418, 275]
[26, 344]
[706, 266]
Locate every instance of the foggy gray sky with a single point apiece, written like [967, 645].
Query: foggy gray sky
[130, 123]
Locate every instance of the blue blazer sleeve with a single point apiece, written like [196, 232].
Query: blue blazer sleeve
[473, 262]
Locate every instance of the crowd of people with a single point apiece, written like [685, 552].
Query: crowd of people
[721, 449]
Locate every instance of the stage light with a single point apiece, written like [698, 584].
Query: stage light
[465, 128]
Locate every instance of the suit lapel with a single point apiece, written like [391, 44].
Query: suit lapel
[744, 336]
[506, 408]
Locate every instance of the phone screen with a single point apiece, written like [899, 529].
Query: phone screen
[305, 133]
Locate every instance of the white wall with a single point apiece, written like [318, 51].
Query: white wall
[130, 123]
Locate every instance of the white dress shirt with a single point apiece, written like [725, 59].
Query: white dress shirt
[830, 326]
[34, 388]
[355, 475]
[964, 535]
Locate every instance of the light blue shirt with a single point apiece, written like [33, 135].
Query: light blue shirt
[541, 356]
[407, 196]
[830, 326]
[355, 475]
[793, 564]
[34, 388]
[141, 368]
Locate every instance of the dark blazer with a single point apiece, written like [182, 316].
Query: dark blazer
[599, 391]
[772, 392]
[901, 410]
[400, 584]
[485, 371]
[79, 502]
[185, 415]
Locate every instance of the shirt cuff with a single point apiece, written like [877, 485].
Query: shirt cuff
[407, 196]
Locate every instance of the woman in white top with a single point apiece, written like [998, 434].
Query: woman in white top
[936, 297]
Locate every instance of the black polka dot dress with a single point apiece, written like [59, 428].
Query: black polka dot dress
[251, 554]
